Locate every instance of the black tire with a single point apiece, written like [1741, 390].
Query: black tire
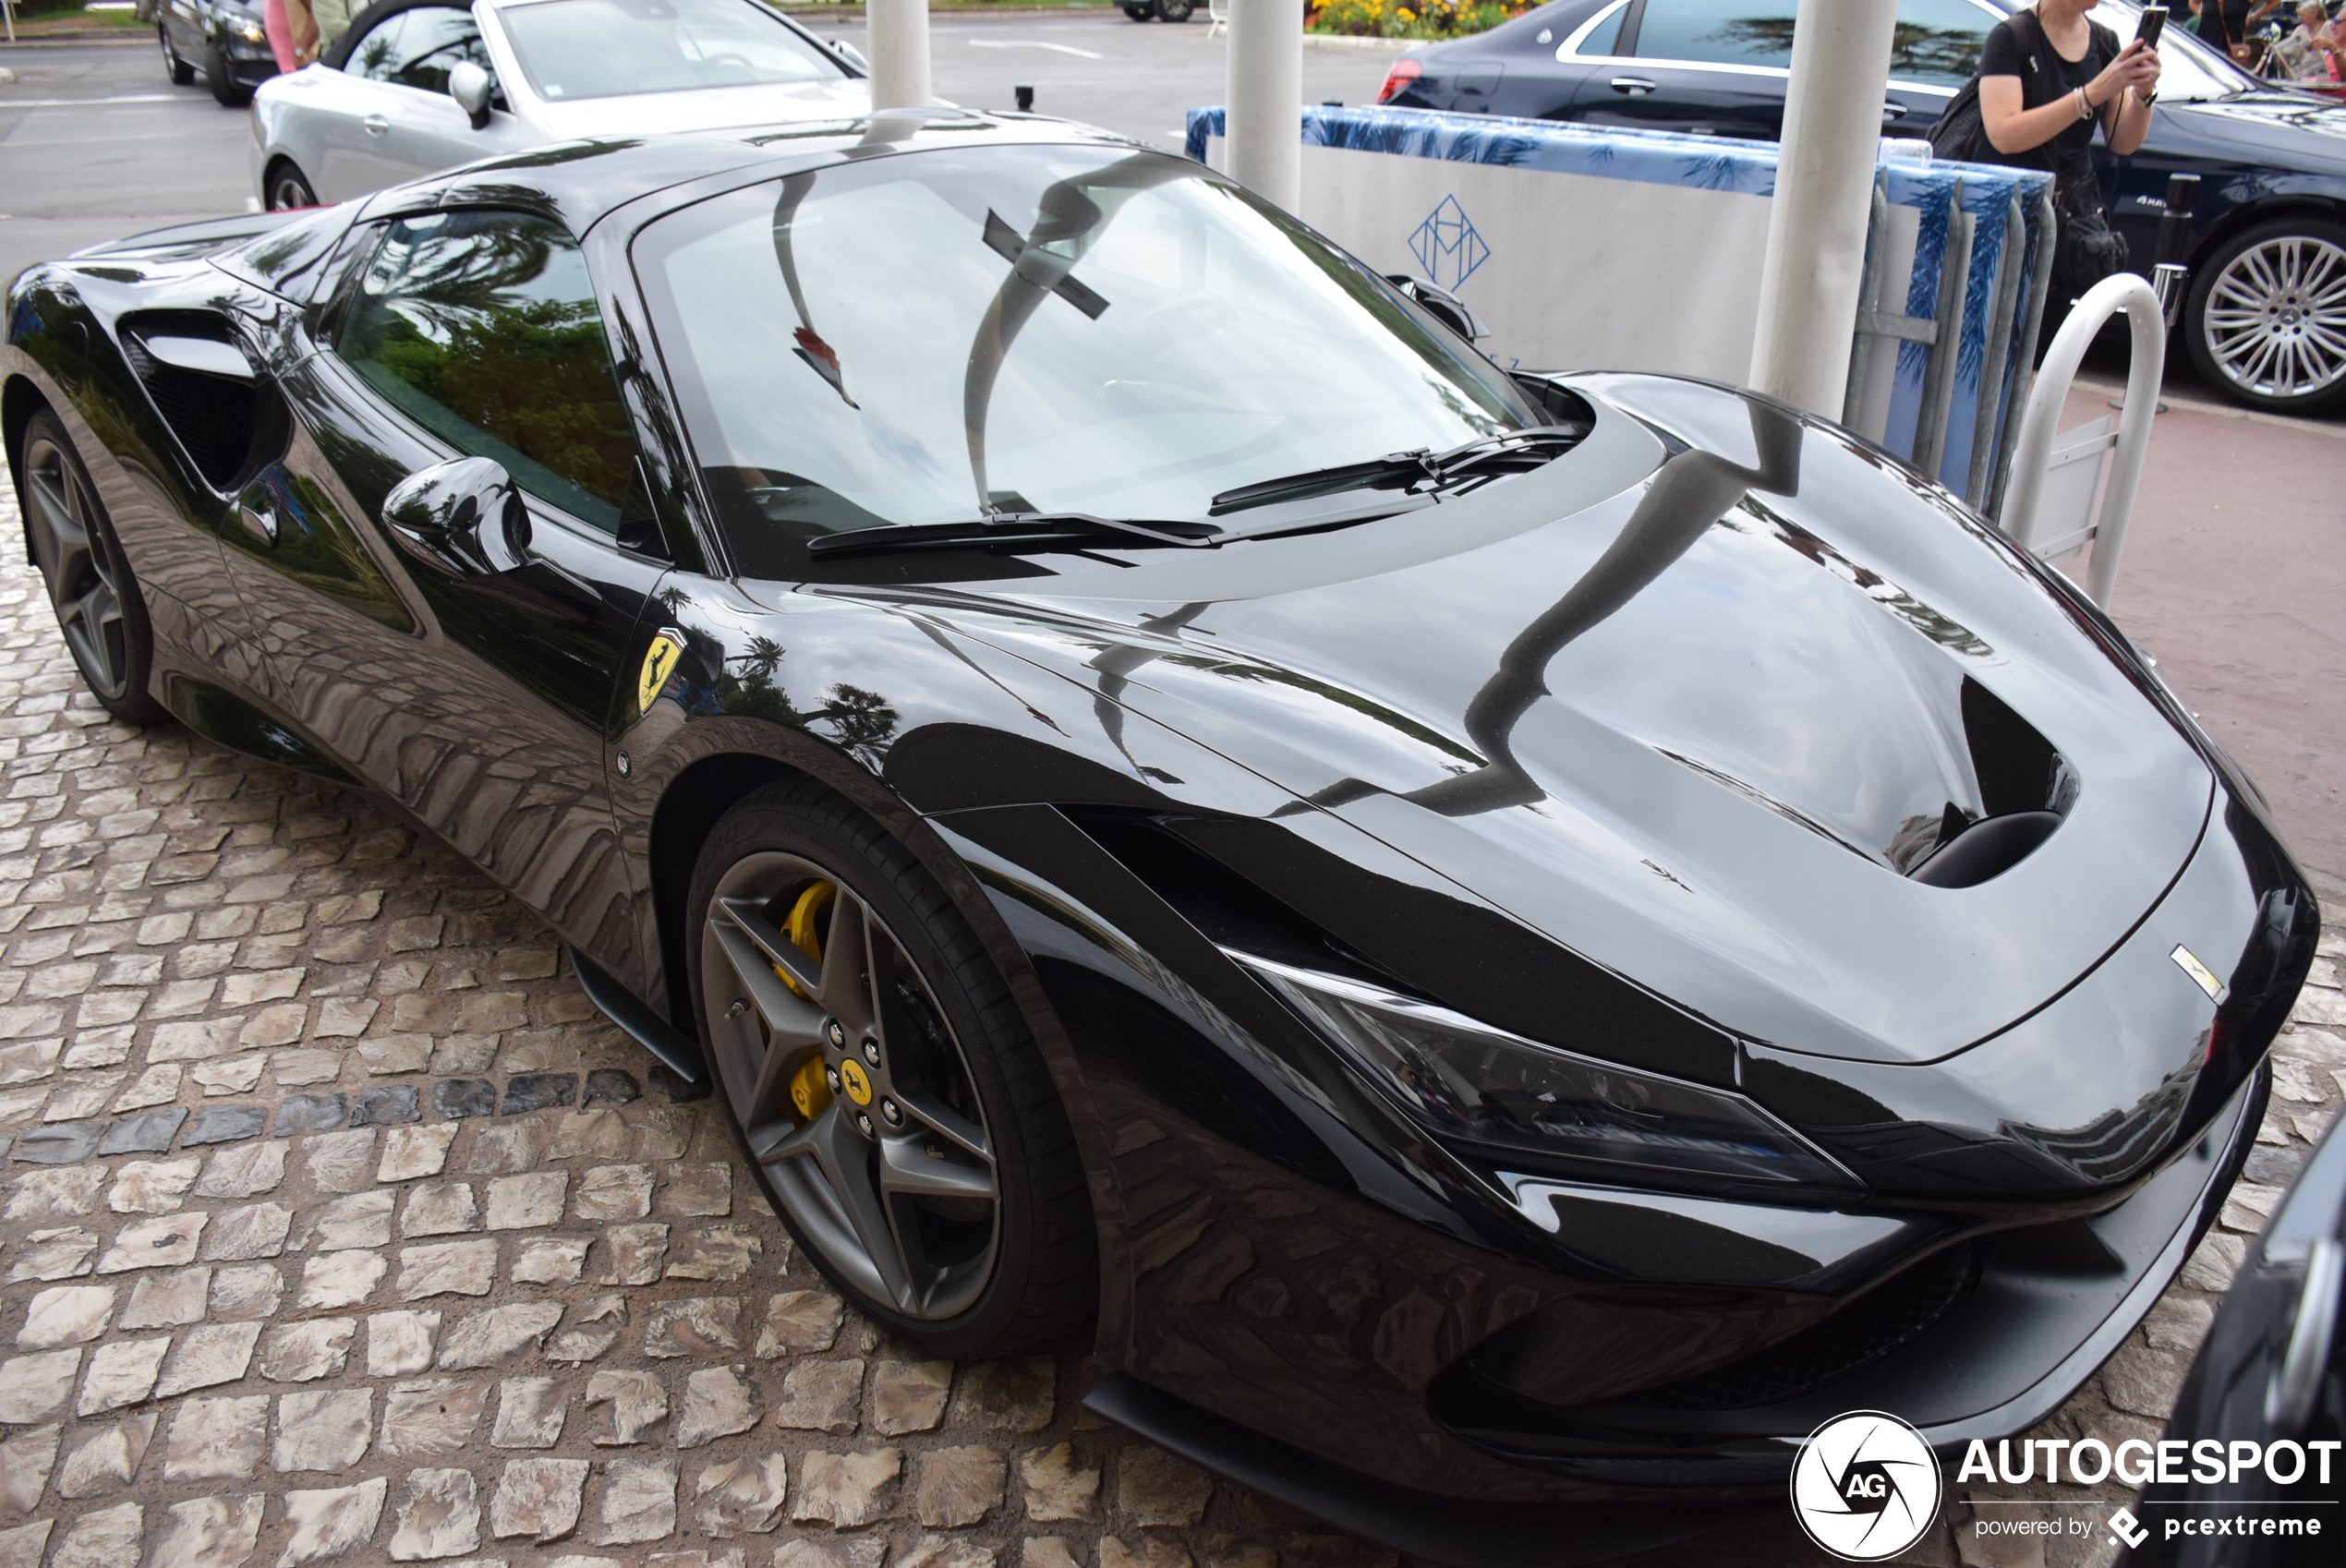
[957, 1054]
[286, 187]
[91, 586]
[226, 90]
[2266, 321]
[181, 73]
[1174, 10]
[1142, 13]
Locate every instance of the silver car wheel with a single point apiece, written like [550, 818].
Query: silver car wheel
[2275, 321]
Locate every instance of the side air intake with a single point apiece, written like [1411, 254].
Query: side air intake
[230, 419]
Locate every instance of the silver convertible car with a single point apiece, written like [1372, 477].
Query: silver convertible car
[417, 86]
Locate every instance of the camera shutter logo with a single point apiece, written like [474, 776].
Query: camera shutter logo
[1866, 1486]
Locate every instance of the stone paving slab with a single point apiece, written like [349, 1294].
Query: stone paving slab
[336, 1226]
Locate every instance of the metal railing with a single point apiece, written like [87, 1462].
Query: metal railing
[2049, 511]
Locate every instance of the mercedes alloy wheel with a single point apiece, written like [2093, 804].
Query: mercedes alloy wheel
[98, 607]
[882, 1082]
[2267, 322]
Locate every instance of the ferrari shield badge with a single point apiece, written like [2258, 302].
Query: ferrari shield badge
[2201, 975]
[660, 663]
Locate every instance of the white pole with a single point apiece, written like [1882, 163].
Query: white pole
[898, 38]
[1816, 257]
[1266, 125]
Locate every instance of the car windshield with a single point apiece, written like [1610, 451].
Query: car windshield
[951, 335]
[575, 49]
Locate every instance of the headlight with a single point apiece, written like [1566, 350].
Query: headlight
[251, 33]
[1469, 1082]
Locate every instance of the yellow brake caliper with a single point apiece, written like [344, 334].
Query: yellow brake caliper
[808, 1093]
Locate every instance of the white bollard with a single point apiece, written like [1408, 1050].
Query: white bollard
[2033, 455]
[1816, 259]
[898, 38]
[1265, 97]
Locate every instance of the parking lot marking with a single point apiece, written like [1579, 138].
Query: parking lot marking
[1033, 43]
[78, 103]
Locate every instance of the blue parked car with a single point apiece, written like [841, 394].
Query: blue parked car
[2265, 319]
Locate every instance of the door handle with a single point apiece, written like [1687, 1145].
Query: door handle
[1892, 111]
[376, 125]
[1634, 86]
[464, 516]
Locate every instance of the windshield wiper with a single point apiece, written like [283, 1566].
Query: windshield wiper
[1408, 468]
[1022, 528]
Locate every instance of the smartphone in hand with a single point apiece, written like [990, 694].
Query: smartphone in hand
[2154, 21]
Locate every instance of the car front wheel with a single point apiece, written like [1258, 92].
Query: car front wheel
[181, 73]
[97, 601]
[882, 1082]
[2267, 322]
[221, 77]
[286, 188]
[1174, 10]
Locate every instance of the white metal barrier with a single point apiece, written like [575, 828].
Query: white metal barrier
[2048, 509]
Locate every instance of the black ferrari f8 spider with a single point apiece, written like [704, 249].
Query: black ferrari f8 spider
[1500, 945]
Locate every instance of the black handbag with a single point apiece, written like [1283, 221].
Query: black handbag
[2086, 248]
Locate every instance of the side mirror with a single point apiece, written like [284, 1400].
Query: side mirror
[1442, 305]
[851, 54]
[470, 87]
[465, 516]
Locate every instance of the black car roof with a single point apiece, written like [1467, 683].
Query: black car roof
[580, 182]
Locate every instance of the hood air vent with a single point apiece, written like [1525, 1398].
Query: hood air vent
[2026, 788]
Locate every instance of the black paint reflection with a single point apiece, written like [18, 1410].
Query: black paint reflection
[1689, 493]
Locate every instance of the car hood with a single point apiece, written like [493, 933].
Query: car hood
[1695, 724]
[2282, 129]
[711, 109]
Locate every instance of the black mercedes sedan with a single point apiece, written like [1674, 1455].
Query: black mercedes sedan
[2265, 317]
[1523, 937]
[224, 40]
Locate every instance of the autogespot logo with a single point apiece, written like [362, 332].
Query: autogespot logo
[1866, 1486]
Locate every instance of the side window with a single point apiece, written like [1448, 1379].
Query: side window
[481, 327]
[1605, 37]
[377, 54]
[436, 38]
[1718, 32]
[1938, 42]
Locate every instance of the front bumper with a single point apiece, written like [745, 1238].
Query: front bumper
[2050, 1305]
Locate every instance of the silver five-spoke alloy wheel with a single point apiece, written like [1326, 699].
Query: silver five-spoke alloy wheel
[2275, 317]
[78, 559]
[848, 1085]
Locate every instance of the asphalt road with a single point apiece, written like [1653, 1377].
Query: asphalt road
[96, 143]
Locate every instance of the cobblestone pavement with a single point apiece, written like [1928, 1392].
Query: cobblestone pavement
[336, 1226]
